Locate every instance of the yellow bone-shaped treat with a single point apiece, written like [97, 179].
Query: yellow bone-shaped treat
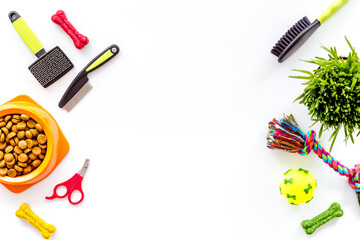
[27, 214]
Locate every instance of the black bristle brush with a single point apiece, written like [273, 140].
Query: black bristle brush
[301, 31]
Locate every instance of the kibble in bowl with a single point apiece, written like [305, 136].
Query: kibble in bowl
[32, 145]
[23, 145]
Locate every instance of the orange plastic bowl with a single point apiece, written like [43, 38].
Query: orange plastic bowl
[57, 147]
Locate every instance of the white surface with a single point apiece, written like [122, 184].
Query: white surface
[175, 126]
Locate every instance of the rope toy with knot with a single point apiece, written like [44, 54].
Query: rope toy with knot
[285, 134]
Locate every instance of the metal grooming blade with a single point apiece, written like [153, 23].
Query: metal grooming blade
[77, 97]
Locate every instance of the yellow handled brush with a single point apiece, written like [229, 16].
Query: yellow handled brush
[301, 31]
[50, 66]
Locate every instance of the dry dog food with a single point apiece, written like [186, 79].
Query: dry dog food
[23, 145]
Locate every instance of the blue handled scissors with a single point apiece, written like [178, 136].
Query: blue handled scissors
[71, 185]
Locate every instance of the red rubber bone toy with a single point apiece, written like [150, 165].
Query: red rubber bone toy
[60, 19]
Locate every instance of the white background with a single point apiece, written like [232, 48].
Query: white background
[175, 125]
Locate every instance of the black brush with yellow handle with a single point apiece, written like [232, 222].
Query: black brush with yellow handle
[51, 65]
[80, 85]
[301, 31]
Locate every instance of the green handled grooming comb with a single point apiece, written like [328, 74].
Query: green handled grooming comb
[301, 31]
[80, 86]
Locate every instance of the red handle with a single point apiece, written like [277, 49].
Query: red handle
[77, 187]
[68, 184]
[79, 40]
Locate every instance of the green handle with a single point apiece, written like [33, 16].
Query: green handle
[336, 5]
[102, 58]
[25, 33]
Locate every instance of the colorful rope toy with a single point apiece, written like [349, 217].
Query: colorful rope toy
[60, 19]
[286, 135]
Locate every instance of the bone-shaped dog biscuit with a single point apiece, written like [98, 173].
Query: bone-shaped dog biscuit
[27, 214]
[333, 211]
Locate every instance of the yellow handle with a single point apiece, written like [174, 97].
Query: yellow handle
[336, 5]
[100, 60]
[27, 35]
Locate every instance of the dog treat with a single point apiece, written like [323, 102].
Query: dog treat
[46, 230]
[311, 225]
[60, 19]
[23, 145]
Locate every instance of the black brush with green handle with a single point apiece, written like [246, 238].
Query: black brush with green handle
[80, 85]
[50, 66]
[301, 31]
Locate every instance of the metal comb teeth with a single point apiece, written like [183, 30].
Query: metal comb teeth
[77, 97]
[51, 66]
[290, 35]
